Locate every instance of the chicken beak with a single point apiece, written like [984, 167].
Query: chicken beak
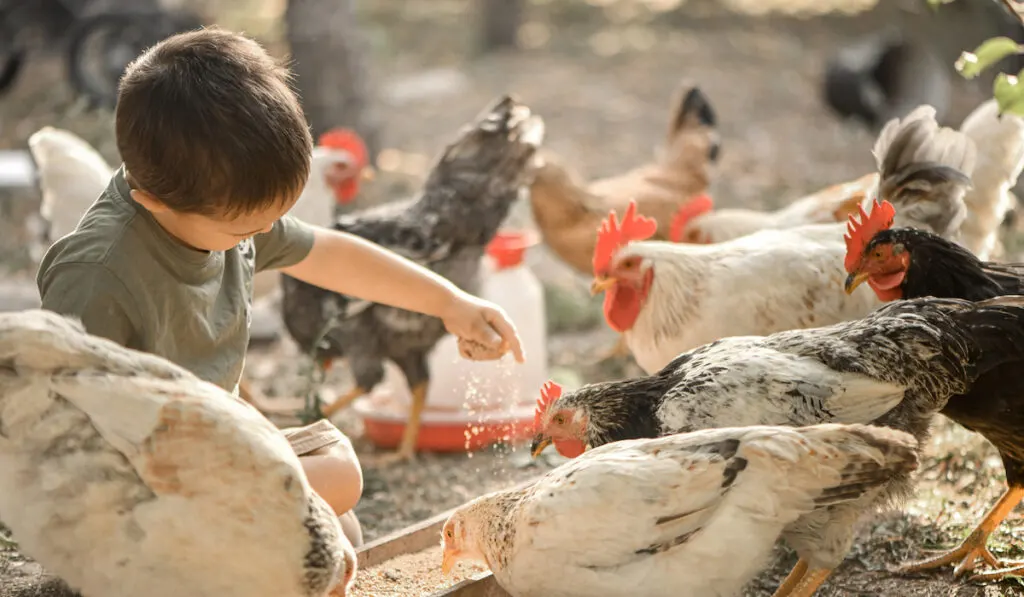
[447, 562]
[368, 173]
[854, 280]
[602, 284]
[539, 443]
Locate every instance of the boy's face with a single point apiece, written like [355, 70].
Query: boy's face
[209, 233]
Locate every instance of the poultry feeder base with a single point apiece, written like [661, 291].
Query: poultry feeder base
[447, 431]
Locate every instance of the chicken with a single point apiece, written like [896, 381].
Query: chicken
[904, 263]
[466, 197]
[694, 514]
[667, 298]
[1000, 142]
[71, 176]
[126, 475]
[568, 211]
[1000, 157]
[698, 223]
[896, 368]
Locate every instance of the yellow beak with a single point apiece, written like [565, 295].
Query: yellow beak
[447, 562]
[601, 284]
[854, 280]
[538, 445]
[368, 173]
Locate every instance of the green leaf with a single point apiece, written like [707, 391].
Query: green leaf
[991, 51]
[1009, 93]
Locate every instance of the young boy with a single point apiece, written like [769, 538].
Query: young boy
[216, 150]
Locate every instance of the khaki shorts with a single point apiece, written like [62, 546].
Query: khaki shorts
[313, 437]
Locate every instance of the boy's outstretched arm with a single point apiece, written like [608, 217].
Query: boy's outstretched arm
[348, 264]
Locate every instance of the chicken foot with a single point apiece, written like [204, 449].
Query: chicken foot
[974, 547]
[802, 581]
[407, 449]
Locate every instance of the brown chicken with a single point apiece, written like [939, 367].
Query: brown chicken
[569, 211]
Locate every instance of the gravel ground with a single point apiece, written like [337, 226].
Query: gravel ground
[603, 86]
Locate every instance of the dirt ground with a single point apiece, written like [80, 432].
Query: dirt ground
[602, 75]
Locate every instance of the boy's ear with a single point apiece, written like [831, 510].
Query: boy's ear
[151, 203]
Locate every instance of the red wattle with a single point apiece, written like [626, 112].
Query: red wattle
[570, 448]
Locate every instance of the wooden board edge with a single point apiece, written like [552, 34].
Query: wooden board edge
[481, 585]
[411, 539]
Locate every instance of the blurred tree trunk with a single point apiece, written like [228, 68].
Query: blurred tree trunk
[331, 67]
[500, 23]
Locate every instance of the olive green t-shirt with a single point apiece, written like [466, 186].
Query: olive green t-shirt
[128, 280]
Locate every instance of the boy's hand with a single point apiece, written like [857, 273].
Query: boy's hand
[479, 321]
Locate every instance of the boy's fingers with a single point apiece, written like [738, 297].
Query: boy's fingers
[508, 334]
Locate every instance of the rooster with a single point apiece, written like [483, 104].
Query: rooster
[1000, 156]
[568, 211]
[126, 475]
[692, 514]
[901, 263]
[666, 298]
[896, 367]
[466, 197]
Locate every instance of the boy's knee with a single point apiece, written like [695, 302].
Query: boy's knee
[334, 473]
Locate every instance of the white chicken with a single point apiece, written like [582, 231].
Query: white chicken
[1000, 142]
[1000, 157]
[693, 514]
[126, 475]
[71, 176]
[667, 298]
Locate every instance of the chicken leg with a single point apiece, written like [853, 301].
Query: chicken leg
[802, 581]
[407, 449]
[973, 547]
[342, 401]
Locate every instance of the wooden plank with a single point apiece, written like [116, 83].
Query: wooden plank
[411, 539]
[482, 585]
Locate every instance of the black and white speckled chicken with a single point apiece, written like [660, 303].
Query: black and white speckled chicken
[896, 367]
[126, 475]
[693, 514]
[465, 199]
[905, 263]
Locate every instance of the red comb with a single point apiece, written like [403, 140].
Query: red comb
[614, 234]
[548, 394]
[349, 141]
[859, 234]
[697, 205]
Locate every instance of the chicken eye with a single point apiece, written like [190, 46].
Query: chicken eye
[558, 419]
[449, 534]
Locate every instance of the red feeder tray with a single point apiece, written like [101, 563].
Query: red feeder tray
[447, 431]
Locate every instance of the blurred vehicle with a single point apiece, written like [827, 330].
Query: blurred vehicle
[98, 38]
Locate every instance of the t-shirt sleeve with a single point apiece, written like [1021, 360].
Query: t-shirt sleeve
[287, 243]
[92, 294]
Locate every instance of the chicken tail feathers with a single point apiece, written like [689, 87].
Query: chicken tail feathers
[874, 456]
[925, 171]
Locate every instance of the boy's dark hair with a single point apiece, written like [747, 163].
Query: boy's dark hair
[207, 122]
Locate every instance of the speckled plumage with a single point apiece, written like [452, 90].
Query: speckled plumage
[693, 514]
[126, 475]
[446, 229]
[896, 367]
